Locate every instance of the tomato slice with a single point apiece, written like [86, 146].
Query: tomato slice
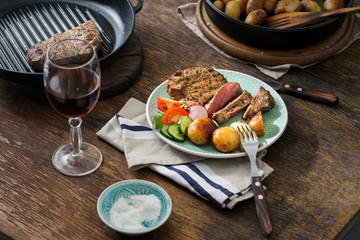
[164, 103]
[173, 114]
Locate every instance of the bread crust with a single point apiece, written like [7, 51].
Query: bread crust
[88, 31]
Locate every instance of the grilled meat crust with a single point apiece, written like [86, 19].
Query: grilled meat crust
[196, 85]
[232, 108]
[223, 96]
[88, 31]
[263, 101]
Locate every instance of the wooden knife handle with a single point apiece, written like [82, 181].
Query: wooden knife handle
[313, 95]
[261, 206]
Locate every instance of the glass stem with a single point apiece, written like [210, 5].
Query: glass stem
[75, 135]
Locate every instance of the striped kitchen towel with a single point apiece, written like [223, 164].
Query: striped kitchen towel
[223, 182]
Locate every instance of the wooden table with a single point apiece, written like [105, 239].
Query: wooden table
[312, 194]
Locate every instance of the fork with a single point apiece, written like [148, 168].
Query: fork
[250, 143]
[300, 19]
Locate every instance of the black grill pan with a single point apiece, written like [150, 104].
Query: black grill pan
[23, 23]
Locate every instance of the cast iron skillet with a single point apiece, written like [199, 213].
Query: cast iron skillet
[22, 24]
[263, 37]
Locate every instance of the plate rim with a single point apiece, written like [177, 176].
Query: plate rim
[219, 155]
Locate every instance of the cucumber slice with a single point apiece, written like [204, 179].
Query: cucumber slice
[184, 123]
[164, 131]
[173, 130]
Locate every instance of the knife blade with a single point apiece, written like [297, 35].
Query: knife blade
[309, 94]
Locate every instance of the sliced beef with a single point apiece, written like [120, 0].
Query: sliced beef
[196, 85]
[263, 101]
[223, 96]
[88, 31]
[232, 108]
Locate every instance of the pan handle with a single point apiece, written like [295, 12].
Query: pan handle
[138, 6]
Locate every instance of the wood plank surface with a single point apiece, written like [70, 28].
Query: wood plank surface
[313, 192]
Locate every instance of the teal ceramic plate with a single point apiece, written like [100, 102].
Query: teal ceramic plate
[125, 189]
[275, 120]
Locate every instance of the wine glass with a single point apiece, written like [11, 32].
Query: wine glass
[72, 86]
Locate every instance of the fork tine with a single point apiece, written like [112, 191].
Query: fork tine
[248, 132]
[253, 133]
[278, 22]
[245, 133]
[240, 133]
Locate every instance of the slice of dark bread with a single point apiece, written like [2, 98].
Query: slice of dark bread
[88, 31]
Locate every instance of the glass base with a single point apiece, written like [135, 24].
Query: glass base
[87, 161]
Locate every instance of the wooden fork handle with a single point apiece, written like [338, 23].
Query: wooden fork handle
[341, 11]
[309, 94]
[261, 206]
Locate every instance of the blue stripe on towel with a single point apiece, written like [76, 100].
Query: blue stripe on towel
[213, 184]
[135, 128]
[195, 185]
[227, 201]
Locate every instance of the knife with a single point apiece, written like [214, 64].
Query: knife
[306, 93]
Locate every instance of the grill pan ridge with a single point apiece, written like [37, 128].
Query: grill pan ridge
[23, 26]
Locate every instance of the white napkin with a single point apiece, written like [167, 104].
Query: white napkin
[223, 182]
[187, 14]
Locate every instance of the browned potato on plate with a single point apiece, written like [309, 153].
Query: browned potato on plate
[232, 9]
[310, 6]
[226, 139]
[256, 17]
[253, 5]
[225, 1]
[333, 4]
[269, 6]
[200, 131]
[284, 6]
[242, 4]
[219, 4]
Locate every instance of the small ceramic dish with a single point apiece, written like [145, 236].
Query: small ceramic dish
[126, 189]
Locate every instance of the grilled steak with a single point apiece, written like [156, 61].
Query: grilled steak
[263, 101]
[196, 85]
[223, 96]
[232, 108]
[88, 31]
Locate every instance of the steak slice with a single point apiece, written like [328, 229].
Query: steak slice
[196, 85]
[232, 108]
[223, 96]
[88, 31]
[263, 101]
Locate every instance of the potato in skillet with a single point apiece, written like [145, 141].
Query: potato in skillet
[256, 17]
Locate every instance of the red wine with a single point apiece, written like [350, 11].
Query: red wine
[73, 93]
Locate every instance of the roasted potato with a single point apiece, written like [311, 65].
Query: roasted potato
[232, 9]
[283, 6]
[256, 17]
[269, 6]
[310, 6]
[200, 131]
[242, 4]
[253, 5]
[333, 4]
[226, 139]
[219, 4]
[256, 122]
[225, 1]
